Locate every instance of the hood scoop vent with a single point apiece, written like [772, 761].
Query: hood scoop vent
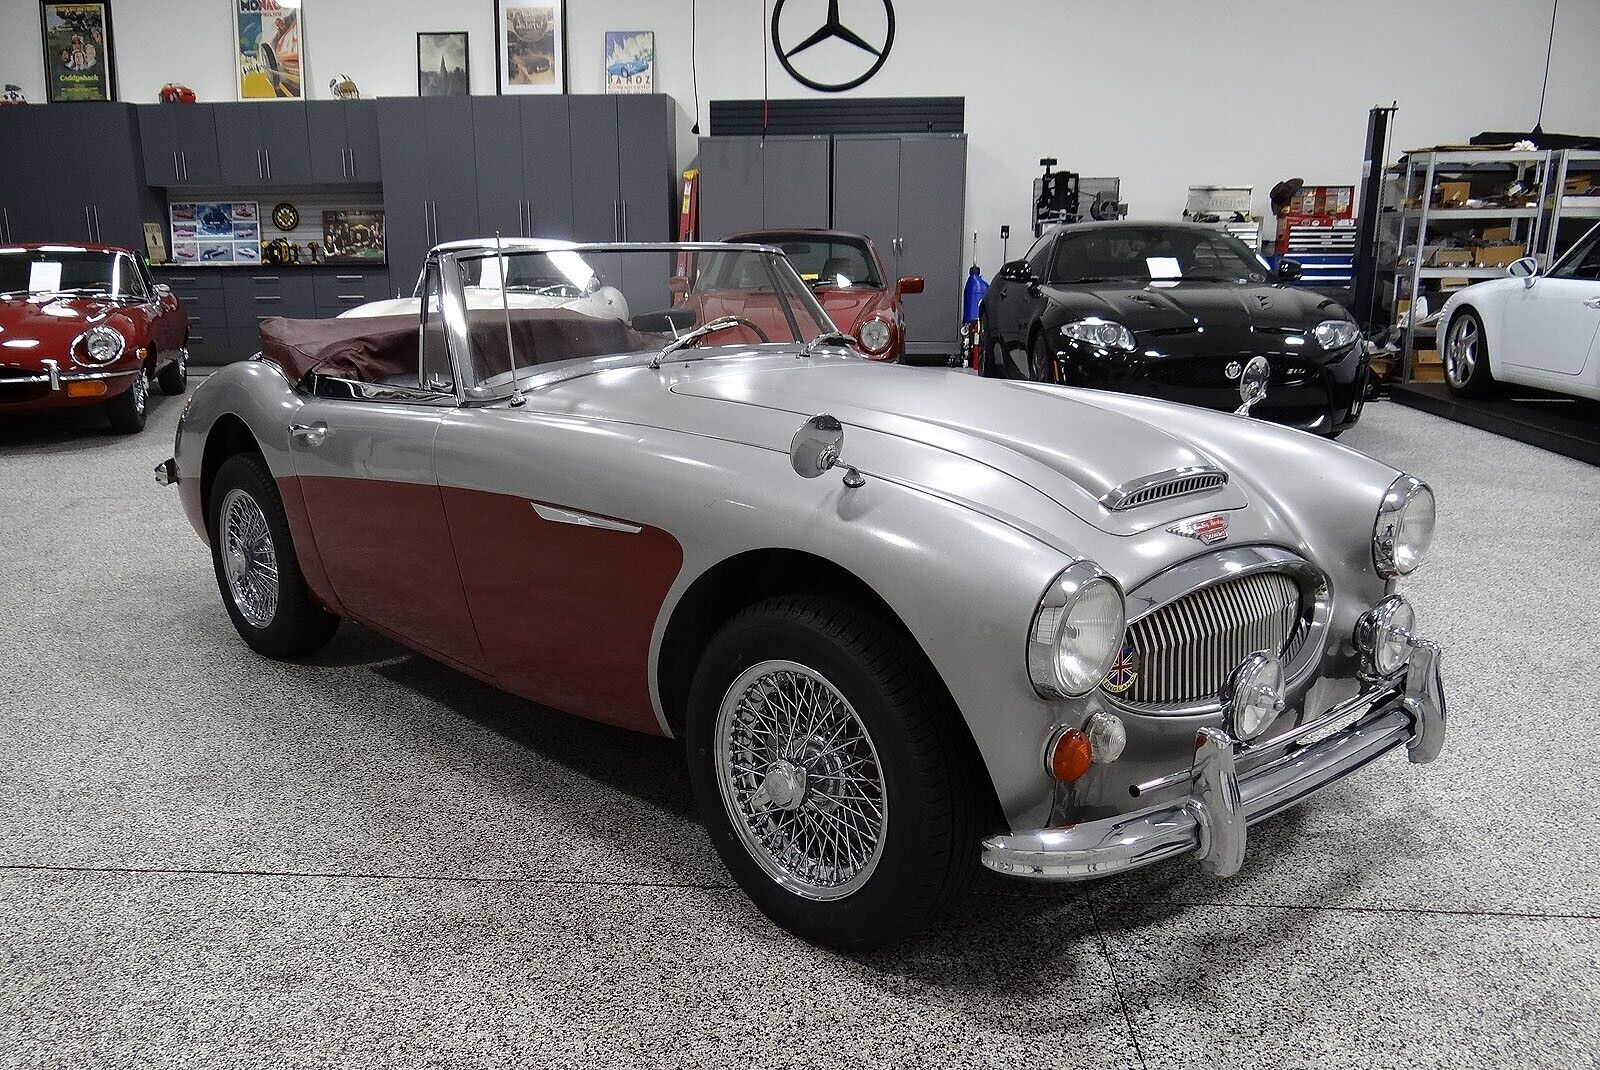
[1160, 486]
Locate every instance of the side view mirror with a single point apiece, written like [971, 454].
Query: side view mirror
[1016, 271]
[911, 284]
[1526, 269]
[1252, 384]
[1289, 270]
[163, 290]
[679, 285]
[815, 450]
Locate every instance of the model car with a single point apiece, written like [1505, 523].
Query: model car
[847, 276]
[87, 325]
[903, 621]
[1174, 311]
[1529, 329]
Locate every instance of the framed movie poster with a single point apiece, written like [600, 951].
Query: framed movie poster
[353, 237]
[268, 44]
[531, 45]
[78, 62]
[630, 61]
[442, 64]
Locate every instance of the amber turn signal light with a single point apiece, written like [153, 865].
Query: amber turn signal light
[1071, 756]
[89, 389]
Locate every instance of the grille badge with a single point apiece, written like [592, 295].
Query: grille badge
[1208, 529]
[1124, 671]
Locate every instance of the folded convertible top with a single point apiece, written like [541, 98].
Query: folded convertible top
[381, 348]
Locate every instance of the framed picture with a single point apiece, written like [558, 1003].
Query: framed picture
[630, 61]
[353, 237]
[78, 59]
[531, 46]
[442, 64]
[268, 41]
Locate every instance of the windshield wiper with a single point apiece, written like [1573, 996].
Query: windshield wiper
[689, 338]
[826, 336]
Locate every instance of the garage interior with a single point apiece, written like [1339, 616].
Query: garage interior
[361, 855]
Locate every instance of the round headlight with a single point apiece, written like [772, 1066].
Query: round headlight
[1404, 528]
[1336, 334]
[102, 344]
[875, 335]
[1078, 630]
[1383, 634]
[1255, 695]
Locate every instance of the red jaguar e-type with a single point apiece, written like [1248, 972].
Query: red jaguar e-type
[846, 274]
[87, 325]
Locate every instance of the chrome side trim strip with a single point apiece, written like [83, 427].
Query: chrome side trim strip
[557, 515]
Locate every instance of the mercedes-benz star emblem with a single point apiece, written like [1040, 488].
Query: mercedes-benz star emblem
[833, 28]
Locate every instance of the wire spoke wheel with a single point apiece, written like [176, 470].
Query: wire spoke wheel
[249, 559]
[801, 780]
[1461, 351]
[141, 391]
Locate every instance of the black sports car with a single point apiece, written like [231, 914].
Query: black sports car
[1173, 311]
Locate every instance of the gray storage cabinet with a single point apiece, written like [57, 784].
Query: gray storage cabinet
[73, 175]
[343, 136]
[755, 183]
[908, 193]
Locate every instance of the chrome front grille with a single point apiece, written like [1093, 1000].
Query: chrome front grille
[1160, 486]
[1188, 648]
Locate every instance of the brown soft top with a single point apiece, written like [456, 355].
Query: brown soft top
[376, 349]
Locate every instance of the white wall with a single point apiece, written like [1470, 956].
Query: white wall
[1164, 93]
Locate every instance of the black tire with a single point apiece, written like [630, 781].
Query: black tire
[1041, 363]
[174, 378]
[297, 625]
[127, 410]
[1466, 356]
[993, 364]
[934, 809]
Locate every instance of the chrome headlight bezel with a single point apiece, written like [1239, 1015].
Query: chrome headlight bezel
[1048, 635]
[1336, 334]
[1408, 501]
[1383, 636]
[1099, 333]
[108, 341]
[879, 340]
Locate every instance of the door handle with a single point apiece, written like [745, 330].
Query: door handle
[266, 154]
[88, 226]
[616, 220]
[310, 434]
[1593, 302]
[624, 220]
[352, 162]
[5, 223]
[184, 156]
[176, 173]
[97, 235]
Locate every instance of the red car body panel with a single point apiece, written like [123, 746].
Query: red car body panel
[850, 306]
[54, 324]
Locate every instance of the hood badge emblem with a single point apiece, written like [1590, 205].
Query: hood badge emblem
[1264, 301]
[1124, 671]
[1208, 529]
[1233, 370]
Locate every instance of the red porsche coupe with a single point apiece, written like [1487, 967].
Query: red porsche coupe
[84, 325]
[847, 276]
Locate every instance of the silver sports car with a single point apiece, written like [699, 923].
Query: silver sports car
[904, 620]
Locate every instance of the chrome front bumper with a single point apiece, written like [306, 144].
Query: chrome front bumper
[53, 375]
[1212, 822]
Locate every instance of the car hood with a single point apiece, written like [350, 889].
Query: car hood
[1181, 307]
[937, 428]
[847, 308]
[52, 324]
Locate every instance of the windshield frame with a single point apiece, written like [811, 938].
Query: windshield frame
[1258, 274]
[452, 260]
[876, 276]
[118, 263]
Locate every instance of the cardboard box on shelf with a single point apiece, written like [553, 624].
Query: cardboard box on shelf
[1490, 256]
[1440, 256]
[1491, 235]
[1427, 373]
[1451, 194]
[1426, 356]
[1579, 184]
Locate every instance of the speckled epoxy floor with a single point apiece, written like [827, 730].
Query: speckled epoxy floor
[210, 860]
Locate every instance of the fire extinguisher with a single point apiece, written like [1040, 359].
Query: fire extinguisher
[971, 299]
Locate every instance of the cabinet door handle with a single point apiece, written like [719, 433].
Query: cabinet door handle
[177, 174]
[624, 220]
[344, 162]
[352, 162]
[88, 227]
[184, 156]
[97, 235]
[5, 226]
[268, 298]
[266, 154]
[349, 278]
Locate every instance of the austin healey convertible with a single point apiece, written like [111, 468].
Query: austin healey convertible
[906, 621]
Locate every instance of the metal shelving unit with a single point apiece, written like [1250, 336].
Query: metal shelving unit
[1560, 208]
[1423, 220]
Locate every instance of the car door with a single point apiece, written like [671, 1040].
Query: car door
[364, 456]
[1552, 326]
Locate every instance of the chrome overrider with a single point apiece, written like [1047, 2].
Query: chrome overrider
[1211, 823]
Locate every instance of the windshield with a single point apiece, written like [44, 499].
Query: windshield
[534, 309]
[830, 261]
[1146, 254]
[64, 270]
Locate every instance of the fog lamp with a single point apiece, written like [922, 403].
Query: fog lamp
[1255, 695]
[1107, 737]
[1383, 634]
[91, 388]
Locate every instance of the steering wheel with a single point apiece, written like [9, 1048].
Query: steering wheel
[739, 321]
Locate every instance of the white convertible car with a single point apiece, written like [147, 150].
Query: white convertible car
[1531, 329]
